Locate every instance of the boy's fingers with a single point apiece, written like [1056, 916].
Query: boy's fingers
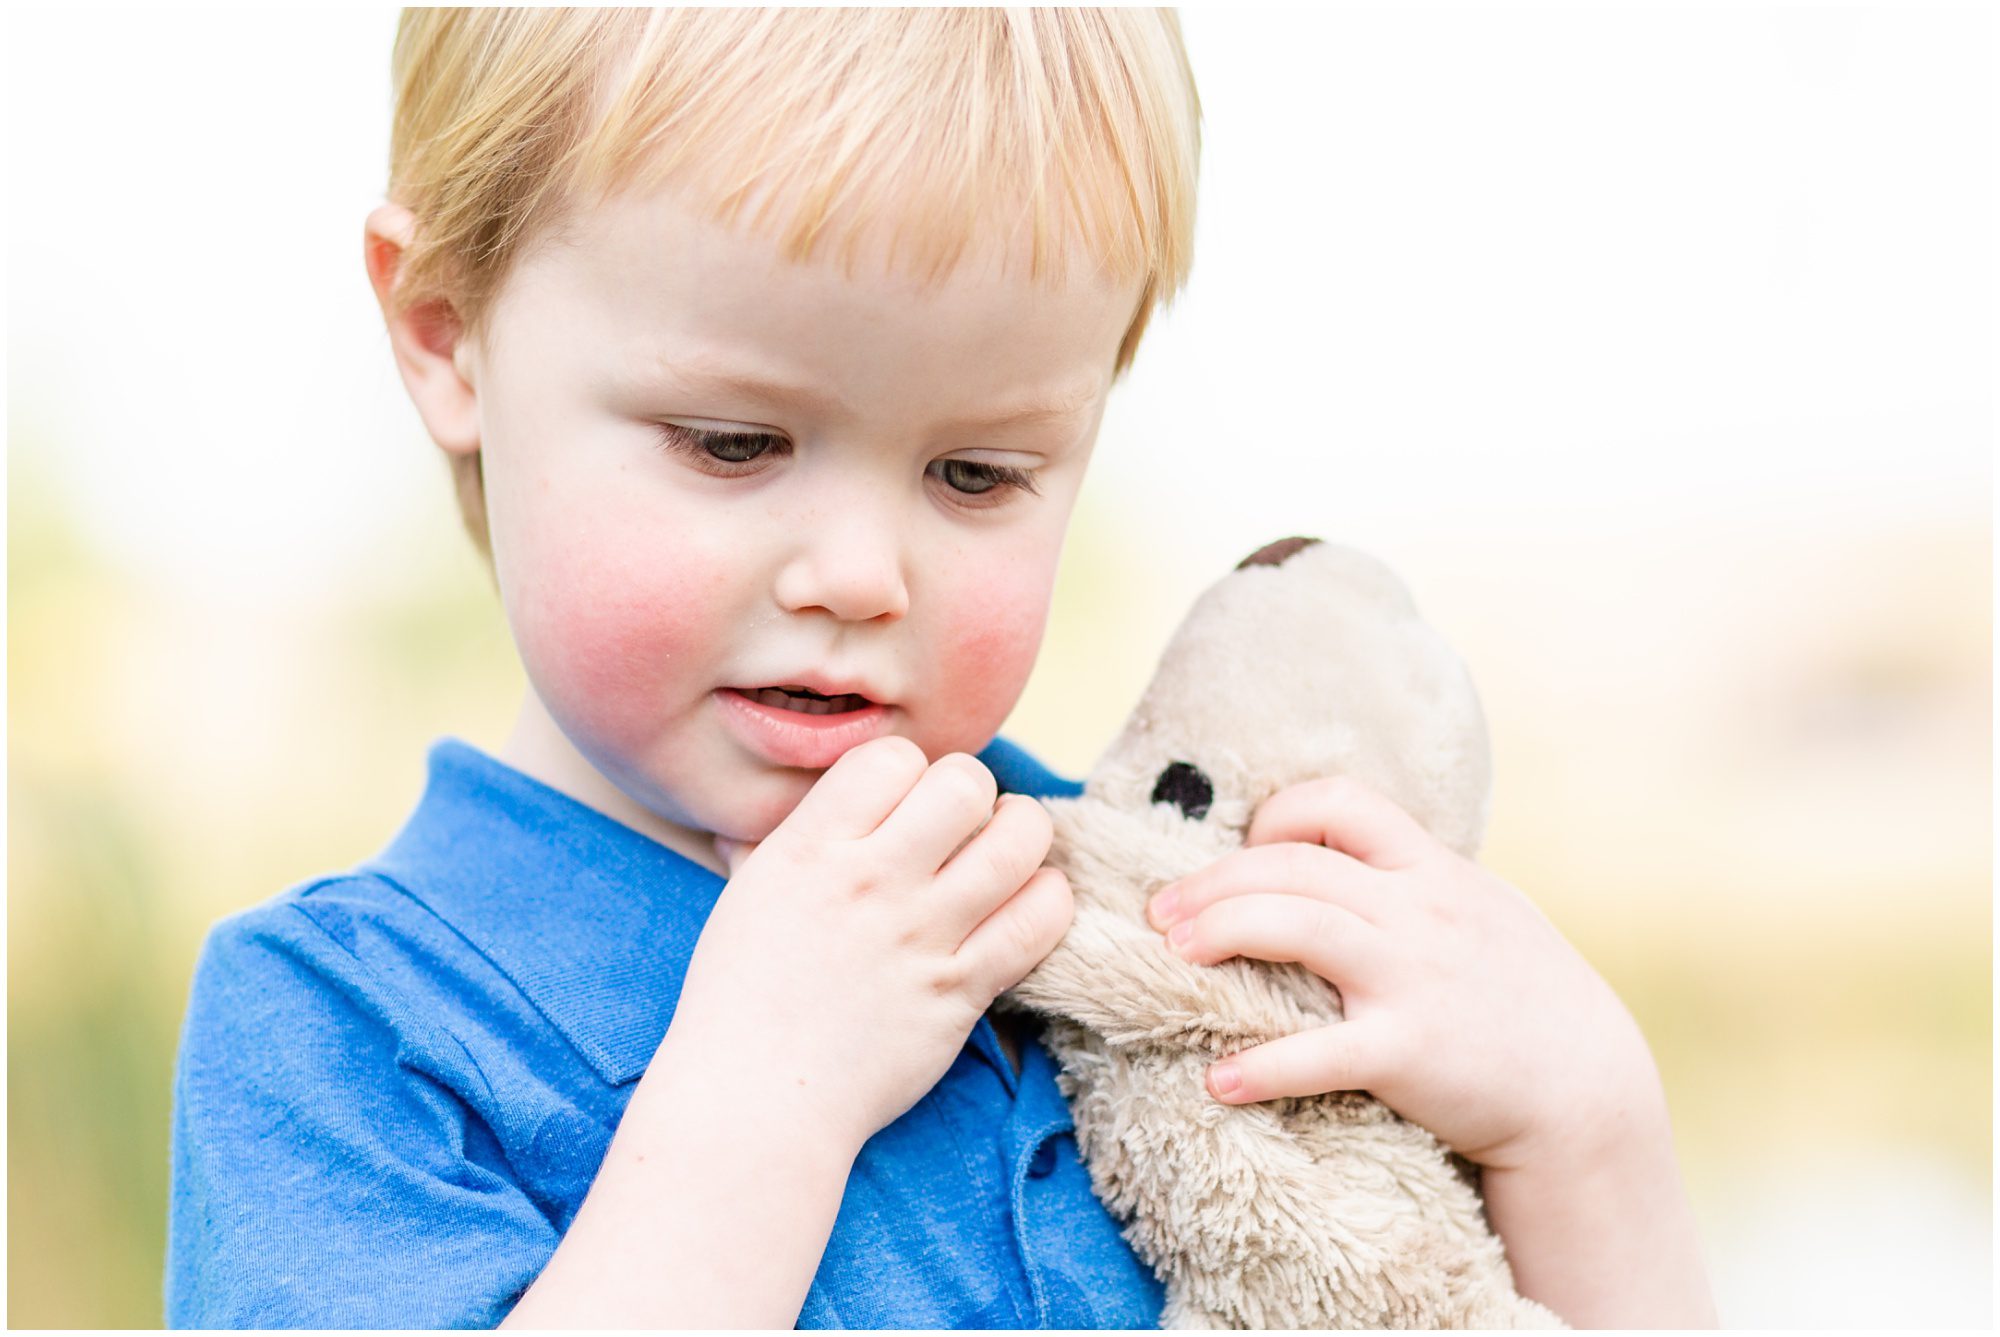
[1345, 1056]
[1335, 944]
[1012, 941]
[996, 862]
[1294, 868]
[860, 789]
[940, 812]
[1343, 814]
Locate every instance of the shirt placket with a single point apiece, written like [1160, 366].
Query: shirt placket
[1032, 1141]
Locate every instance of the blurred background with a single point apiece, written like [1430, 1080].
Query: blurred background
[1653, 346]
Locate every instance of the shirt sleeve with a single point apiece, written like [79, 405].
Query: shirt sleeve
[326, 1172]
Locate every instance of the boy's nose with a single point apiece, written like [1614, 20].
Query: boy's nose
[853, 570]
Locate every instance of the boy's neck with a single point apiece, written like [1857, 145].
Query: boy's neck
[538, 748]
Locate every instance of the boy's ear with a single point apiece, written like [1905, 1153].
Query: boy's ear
[433, 360]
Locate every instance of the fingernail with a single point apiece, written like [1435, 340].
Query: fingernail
[1180, 934]
[1160, 910]
[1225, 1078]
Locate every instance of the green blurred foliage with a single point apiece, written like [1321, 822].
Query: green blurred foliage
[90, 1010]
[124, 847]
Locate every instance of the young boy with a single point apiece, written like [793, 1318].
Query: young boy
[769, 348]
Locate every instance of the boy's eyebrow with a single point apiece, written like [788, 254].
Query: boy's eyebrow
[698, 378]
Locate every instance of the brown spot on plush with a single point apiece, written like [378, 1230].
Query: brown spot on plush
[1274, 554]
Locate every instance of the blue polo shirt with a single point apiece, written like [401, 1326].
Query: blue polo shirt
[396, 1084]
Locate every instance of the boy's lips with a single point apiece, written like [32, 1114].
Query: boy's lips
[798, 737]
[823, 684]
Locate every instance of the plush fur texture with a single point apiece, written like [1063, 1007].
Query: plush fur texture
[1318, 1212]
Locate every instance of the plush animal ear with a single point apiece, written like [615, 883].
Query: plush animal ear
[1185, 787]
[1274, 554]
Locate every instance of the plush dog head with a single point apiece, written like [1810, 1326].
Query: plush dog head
[1308, 660]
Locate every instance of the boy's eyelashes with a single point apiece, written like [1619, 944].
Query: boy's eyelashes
[722, 447]
[726, 454]
[974, 477]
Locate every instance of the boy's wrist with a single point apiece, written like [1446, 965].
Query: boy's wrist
[1604, 1104]
[712, 1207]
[1597, 1224]
[737, 1083]
[1616, 1120]
[1613, 1141]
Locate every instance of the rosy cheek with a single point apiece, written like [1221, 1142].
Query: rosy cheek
[990, 647]
[607, 639]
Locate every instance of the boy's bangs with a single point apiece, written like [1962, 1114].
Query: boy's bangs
[963, 131]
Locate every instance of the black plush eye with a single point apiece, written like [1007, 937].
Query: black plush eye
[1186, 788]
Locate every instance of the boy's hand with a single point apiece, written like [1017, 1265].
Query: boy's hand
[1467, 1012]
[854, 949]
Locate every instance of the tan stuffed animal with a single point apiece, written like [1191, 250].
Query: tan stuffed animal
[1329, 1211]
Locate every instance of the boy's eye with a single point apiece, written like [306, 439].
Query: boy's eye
[727, 452]
[719, 447]
[973, 477]
[737, 447]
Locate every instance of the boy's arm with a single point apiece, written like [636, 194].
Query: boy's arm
[1599, 1227]
[712, 1208]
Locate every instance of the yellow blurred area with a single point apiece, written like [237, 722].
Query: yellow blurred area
[1745, 768]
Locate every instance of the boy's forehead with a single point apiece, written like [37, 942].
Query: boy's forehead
[653, 282]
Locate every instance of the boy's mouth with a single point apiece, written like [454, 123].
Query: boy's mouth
[805, 727]
[806, 701]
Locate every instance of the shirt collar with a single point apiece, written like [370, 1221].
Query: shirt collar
[592, 921]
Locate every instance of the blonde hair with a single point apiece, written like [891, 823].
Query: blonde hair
[953, 127]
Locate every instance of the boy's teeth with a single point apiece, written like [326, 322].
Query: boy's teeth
[806, 705]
